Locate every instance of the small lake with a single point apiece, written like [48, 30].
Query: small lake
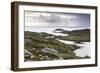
[84, 50]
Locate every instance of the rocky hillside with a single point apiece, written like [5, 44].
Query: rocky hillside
[44, 46]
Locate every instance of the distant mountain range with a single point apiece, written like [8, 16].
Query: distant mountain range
[71, 32]
[74, 35]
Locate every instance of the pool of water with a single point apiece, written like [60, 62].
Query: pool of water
[84, 50]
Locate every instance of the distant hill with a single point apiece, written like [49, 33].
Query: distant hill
[82, 35]
[61, 31]
[71, 32]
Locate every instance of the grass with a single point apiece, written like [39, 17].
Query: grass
[39, 42]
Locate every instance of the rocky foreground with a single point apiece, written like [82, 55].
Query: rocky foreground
[44, 46]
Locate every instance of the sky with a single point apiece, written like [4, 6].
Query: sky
[71, 20]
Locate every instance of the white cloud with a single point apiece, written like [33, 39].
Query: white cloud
[51, 19]
[30, 13]
[68, 16]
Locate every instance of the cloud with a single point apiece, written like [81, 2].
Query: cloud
[56, 19]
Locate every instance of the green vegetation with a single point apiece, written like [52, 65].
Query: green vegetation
[44, 46]
[76, 35]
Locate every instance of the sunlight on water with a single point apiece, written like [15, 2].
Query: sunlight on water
[83, 51]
